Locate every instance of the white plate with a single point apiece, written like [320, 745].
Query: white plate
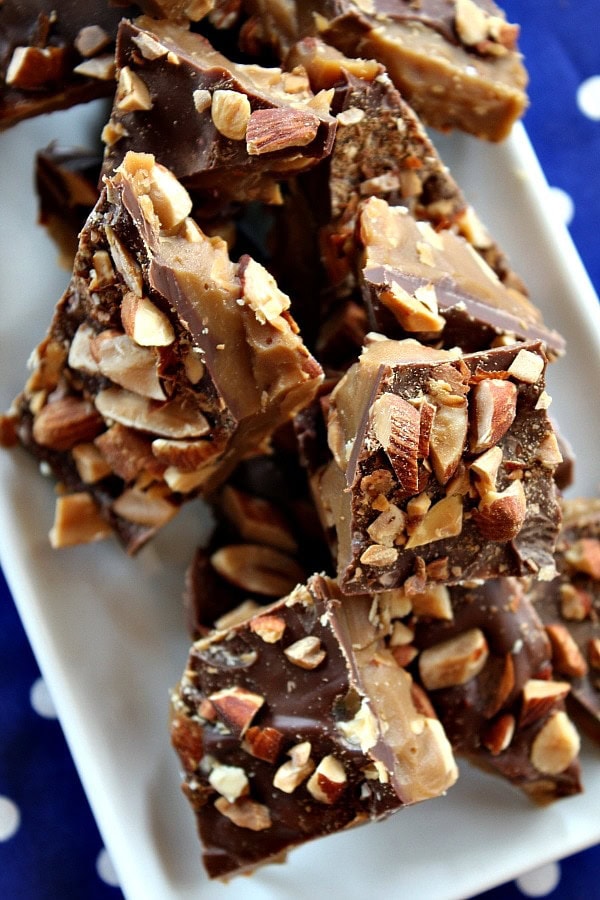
[108, 633]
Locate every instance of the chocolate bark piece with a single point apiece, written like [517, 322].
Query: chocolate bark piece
[432, 285]
[55, 54]
[457, 63]
[381, 149]
[569, 606]
[484, 660]
[66, 180]
[165, 363]
[226, 129]
[299, 723]
[267, 539]
[442, 466]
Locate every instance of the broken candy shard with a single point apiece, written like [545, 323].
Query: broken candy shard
[234, 128]
[55, 54]
[456, 63]
[165, 363]
[569, 606]
[440, 456]
[299, 723]
[485, 662]
[431, 284]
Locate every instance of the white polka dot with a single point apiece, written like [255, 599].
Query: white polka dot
[41, 700]
[105, 869]
[539, 882]
[588, 97]
[563, 205]
[10, 818]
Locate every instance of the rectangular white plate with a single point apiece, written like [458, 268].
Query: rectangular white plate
[108, 632]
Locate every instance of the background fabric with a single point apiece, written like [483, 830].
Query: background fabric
[50, 848]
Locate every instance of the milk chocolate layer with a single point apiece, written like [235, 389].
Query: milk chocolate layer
[165, 363]
[296, 724]
[223, 128]
[442, 467]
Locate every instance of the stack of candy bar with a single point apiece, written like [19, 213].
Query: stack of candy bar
[282, 303]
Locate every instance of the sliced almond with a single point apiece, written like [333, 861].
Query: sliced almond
[492, 410]
[443, 520]
[145, 323]
[65, 422]
[178, 418]
[396, 425]
[447, 439]
[258, 569]
[144, 508]
[124, 362]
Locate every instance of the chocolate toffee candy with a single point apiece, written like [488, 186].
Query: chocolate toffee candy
[455, 61]
[54, 54]
[267, 539]
[483, 657]
[442, 466]
[165, 363]
[381, 149]
[66, 180]
[569, 606]
[299, 723]
[431, 284]
[219, 126]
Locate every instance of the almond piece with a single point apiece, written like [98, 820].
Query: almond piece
[454, 661]
[594, 653]
[258, 569]
[292, 773]
[567, 658]
[442, 520]
[499, 734]
[132, 94]
[584, 556]
[270, 130]
[229, 781]
[245, 813]
[32, 68]
[556, 745]
[230, 111]
[396, 425]
[269, 628]
[447, 439]
[575, 603]
[91, 465]
[236, 707]
[65, 422]
[124, 362]
[263, 743]
[144, 508]
[538, 698]
[176, 419]
[77, 520]
[501, 514]
[172, 203]
[306, 653]
[527, 366]
[328, 781]
[257, 520]
[492, 410]
[434, 602]
[145, 323]
[486, 469]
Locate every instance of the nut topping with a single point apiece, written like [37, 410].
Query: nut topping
[566, 656]
[396, 425]
[270, 130]
[292, 773]
[230, 781]
[263, 743]
[454, 661]
[447, 439]
[501, 514]
[258, 569]
[538, 698]
[306, 653]
[493, 406]
[63, 423]
[442, 520]
[245, 813]
[230, 113]
[236, 706]
[328, 781]
[556, 745]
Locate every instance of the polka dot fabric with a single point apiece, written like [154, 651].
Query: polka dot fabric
[50, 848]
